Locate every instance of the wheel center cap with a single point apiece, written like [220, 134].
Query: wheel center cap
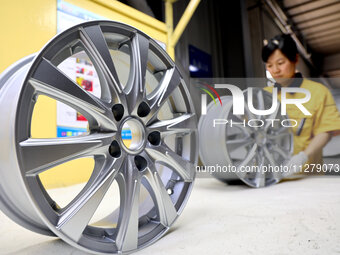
[132, 133]
[260, 138]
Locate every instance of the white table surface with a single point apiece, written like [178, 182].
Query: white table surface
[293, 217]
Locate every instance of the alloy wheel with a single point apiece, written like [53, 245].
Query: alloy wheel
[253, 149]
[148, 95]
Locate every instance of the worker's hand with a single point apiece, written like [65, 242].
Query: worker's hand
[295, 164]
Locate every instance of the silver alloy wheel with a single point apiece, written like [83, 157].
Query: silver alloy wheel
[154, 100]
[240, 147]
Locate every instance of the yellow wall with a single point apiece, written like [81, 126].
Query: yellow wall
[117, 11]
[26, 26]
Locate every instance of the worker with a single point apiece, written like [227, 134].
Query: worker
[311, 132]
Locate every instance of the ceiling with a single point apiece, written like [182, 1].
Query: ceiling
[319, 23]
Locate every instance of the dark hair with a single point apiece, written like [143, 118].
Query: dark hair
[282, 42]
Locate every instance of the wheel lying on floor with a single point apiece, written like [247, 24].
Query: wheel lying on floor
[242, 146]
[147, 94]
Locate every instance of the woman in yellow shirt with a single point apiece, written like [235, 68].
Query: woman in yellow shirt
[312, 132]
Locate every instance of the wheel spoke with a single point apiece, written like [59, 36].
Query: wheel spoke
[49, 81]
[78, 213]
[269, 156]
[136, 87]
[281, 130]
[129, 181]
[246, 130]
[260, 177]
[278, 136]
[251, 155]
[41, 154]
[237, 143]
[184, 124]
[158, 97]
[277, 175]
[284, 154]
[163, 154]
[94, 41]
[248, 114]
[166, 210]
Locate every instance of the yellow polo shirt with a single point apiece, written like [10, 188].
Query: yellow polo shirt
[325, 115]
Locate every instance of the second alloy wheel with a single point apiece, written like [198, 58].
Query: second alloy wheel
[254, 148]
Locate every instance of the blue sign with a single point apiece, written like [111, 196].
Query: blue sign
[200, 63]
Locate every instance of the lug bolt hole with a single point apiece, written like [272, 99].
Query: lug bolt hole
[143, 110]
[118, 111]
[140, 163]
[114, 149]
[154, 138]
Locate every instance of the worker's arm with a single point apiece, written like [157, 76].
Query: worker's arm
[297, 162]
[318, 142]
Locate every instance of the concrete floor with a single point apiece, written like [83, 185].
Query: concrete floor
[294, 217]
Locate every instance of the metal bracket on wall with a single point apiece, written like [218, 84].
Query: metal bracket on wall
[174, 35]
